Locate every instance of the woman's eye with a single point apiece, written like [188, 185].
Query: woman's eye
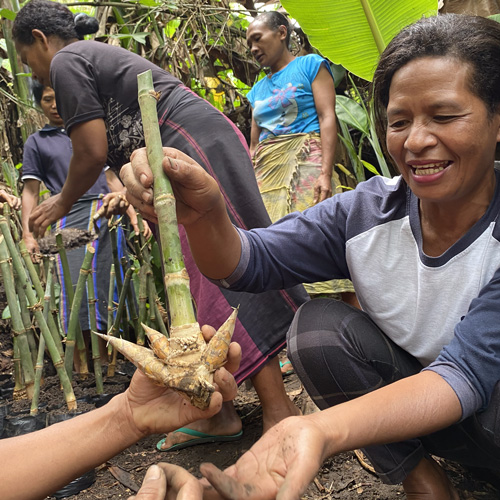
[398, 124]
[444, 118]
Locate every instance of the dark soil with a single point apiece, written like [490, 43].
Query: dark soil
[71, 238]
[342, 477]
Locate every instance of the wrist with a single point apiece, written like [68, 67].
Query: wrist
[123, 415]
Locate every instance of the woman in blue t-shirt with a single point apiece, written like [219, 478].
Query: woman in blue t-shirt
[294, 128]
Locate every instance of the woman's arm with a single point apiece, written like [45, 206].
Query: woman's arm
[324, 99]
[214, 242]
[90, 149]
[254, 137]
[287, 458]
[29, 201]
[61, 452]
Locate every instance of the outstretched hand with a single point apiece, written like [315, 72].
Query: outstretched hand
[46, 213]
[280, 465]
[155, 410]
[196, 192]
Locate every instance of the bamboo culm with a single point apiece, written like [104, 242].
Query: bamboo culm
[176, 279]
[74, 316]
[18, 329]
[96, 355]
[42, 324]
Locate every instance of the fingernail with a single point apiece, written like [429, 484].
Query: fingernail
[146, 196]
[152, 474]
[173, 165]
[143, 178]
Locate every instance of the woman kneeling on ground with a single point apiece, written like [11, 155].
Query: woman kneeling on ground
[416, 372]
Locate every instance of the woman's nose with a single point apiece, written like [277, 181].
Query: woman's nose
[419, 137]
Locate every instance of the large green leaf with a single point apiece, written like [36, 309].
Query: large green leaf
[353, 33]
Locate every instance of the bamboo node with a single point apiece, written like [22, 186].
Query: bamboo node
[8, 261]
[36, 307]
[181, 276]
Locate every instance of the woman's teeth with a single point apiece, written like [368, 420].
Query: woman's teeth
[430, 169]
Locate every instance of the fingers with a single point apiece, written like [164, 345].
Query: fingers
[154, 486]
[226, 384]
[181, 485]
[233, 357]
[38, 222]
[225, 485]
[138, 178]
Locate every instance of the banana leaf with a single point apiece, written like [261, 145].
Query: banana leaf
[354, 33]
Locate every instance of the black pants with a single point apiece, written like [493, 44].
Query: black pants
[339, 354]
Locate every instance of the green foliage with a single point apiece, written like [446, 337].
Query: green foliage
[354, 32]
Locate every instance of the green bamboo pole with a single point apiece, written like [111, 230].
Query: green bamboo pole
[143, 297]
[70, 292]
[19, 391]
[121, 304]
[175, 276]
[96, 354]
[53, 329]
[73, 322]
[112, 353]
[28, 325]
[153, 305]
[132, 308]
[34, 303]
[41, 346]
[18, 329]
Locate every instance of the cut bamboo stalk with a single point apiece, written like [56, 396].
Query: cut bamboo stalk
[143, 297]
[68, 285]
[156, 317]
[111, 309]
[34, 303]
[113, 234]
[96, 353]
[74, 318]
[26, 317]
[54, 330]
[131, 305]
[185, 365]
[18, 329]
[19, 391]
[41, 345]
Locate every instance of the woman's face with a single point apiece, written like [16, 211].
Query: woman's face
[38, 56]
[265, 44]
[439, 133]
[49, 108]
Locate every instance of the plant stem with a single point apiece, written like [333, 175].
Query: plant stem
[18, 329]
[74, 317]
[175, 276]
[35, 304]
[96, 354]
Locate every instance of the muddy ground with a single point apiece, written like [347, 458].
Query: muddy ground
[342, 477]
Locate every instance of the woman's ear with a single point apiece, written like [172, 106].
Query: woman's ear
[40, 37]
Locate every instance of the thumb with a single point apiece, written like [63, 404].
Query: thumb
[154, 486]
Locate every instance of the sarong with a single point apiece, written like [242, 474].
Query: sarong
[286, 168]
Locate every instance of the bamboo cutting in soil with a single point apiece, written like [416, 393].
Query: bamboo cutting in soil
[184, 361]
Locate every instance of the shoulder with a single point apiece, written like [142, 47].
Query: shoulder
[310, 65]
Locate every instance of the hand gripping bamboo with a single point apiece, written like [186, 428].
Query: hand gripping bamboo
[184, 362]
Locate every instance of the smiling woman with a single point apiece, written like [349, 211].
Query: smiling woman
[416, 372]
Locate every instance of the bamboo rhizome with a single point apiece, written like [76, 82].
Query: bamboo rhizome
[183, 361]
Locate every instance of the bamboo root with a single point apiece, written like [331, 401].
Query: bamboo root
[183, 362]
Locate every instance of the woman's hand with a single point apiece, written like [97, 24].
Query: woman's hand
[155, 410]
[13, 201]
[46, 213]
[280, 465]
[32, 247]
[115, 203]
[168, 482]
[322, 188]
[195, 191]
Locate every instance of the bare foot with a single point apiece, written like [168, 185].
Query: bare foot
[428, 481]
[225, 423]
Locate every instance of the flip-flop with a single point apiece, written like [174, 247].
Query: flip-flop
[288, 372]
[199, 438]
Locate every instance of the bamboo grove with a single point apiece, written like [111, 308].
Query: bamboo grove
[36, 327]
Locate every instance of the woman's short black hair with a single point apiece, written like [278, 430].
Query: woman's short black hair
[273, 20]
[473, 40]
[52, 19]
[37, 88]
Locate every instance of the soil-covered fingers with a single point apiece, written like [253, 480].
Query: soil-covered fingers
[154, 485]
